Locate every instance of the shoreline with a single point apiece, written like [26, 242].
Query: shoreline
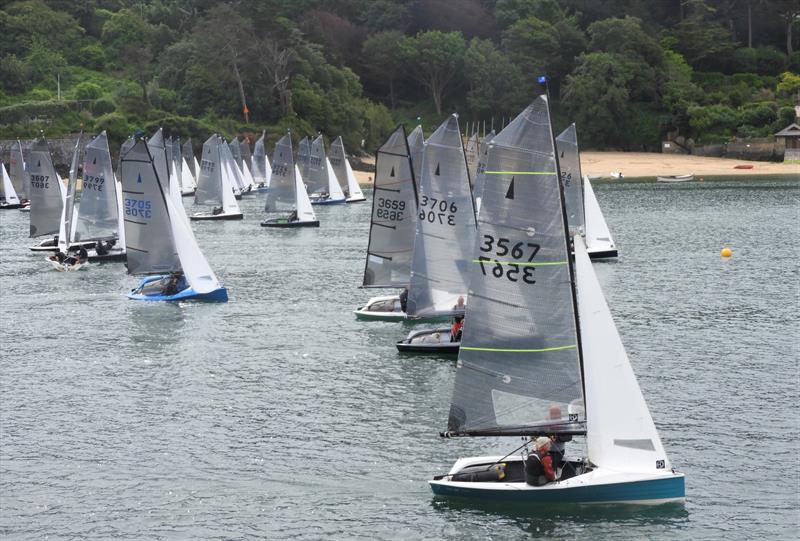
[644, 166]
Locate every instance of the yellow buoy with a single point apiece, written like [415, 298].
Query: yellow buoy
[726, 252]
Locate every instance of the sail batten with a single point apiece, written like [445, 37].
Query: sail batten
[519, 369]
[394, 213]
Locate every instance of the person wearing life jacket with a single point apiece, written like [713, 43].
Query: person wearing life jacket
[539, 464]
[455, 330]
[404, 299]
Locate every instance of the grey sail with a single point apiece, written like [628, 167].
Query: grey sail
[303, 153]
[69, 199]
[158, 150]
[150, 247]
[46, 191]
[444, 239]
[519, 358]
[168, 148]
[244, 150]
[98, 211]
[127, 144]
[177, 158]
[416, 143]
[569, 163]
[259, 161]
[337, 159]
[394, 213]
[209, 179]
[19, 177]
[483, 149]
[316, 178]
[471, 150]
[282, 194]
[236, 151]
[188, 153]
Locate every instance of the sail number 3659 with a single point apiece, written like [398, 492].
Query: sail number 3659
[439, 210]
[390, 209]
[502, 247]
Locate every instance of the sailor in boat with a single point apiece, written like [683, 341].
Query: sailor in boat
[455, 330]
[102, 247]
[292, 217]
[216, 210]
[404, 299]
[539, 468]
[171, 285]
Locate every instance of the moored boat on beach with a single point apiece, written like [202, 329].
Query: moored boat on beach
[675, 178]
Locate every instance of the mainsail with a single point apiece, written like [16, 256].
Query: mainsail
[98, 213]
[19, 177]
[150, 251]
[46, 191]
[569, 163]
[394, 213]
[303, 154]
[282, 187]
[7, 191]
[416, 144]
[260, 163]
[187, 153]
[444, 240]
[209, 180]
[519, 366]
[318, 179]
[344, 173]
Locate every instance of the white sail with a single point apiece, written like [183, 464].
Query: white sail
[229, 204]
[598, 237]
[196, 168]
[66, 229]
[305, 212]
[352, 184]
[187, 180]
[248, 177]
[98, 213]
[195, 266]
[9, 193]
[334, 189]
[620, 432]
[120, 214]
[268, 169]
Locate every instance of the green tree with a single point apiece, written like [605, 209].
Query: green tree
[494, 83]
[435, 58]
[382, 60]
[127, 37]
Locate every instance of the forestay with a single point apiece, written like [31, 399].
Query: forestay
[519, 370]
[19, 177]
[98, 213]
[282, 186]
[416, 144]
[150, 249]
[444, 239]
[394, 213]
[569, 164]
[46, 191]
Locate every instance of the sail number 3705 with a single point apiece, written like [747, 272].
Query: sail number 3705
[138, 207]
[503, 248]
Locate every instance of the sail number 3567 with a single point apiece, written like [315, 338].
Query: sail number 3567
[438, 210]
[502, 247]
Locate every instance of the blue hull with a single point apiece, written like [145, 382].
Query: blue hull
[188, 294]
[655, 490]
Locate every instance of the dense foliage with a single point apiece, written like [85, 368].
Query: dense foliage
[629, 72]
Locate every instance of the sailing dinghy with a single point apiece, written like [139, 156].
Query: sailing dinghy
[540, 355]
[99, 219]
[189, 169]
[61, 260]
[391, 231]
[8, 195]
[444, 238]
[160, 241]
[583, 212]
[287, 191]
[20, 179]
[322, 184]
[344, 173]
[215, 183]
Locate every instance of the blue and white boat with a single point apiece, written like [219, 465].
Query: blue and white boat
[160, 241]
[540, 354]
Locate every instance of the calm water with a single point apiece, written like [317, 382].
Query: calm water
[278, 415]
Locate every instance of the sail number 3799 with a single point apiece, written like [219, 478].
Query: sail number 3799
[502, 247]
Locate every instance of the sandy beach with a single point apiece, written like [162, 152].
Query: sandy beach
[652, 164]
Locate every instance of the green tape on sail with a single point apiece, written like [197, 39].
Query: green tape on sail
[519, 172]
[505, 350]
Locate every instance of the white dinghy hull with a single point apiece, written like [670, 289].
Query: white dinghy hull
[599, 486]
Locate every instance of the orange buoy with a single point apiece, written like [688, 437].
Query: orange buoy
[726, 252]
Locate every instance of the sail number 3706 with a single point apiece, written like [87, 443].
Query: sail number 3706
[438, 210]
[502, 247]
